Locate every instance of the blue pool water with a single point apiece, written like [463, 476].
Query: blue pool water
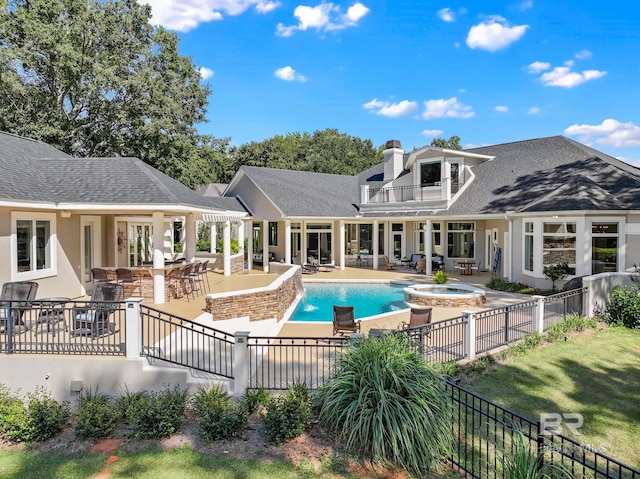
[367, 300]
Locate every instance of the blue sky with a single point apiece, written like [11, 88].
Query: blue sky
[490, 72]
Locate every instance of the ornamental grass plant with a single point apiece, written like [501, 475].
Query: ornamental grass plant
[387, 405]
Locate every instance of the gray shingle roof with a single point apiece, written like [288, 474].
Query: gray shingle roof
[34, 171]
[545, 174]
[302, 193]
[548, 174]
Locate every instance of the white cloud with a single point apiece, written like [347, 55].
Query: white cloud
[289, 74]
[534, 110]
[185, 15]
[432, 133]
[564, 77]
[494, 34]
[450, 108]
[266, 7]
[391, 110]
[610, 133]
[537, 67]
[205, 72]
[583, 54]
[356, 12]
[446, 15]
[323, 17]
[501, 109]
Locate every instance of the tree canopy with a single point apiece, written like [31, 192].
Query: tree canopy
[324, 151]
[94, 78]
[453, 143]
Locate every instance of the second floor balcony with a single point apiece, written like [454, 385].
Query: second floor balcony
[398, 194]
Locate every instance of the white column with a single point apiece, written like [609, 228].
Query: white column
[303, 242]
[190, 238]
[342, 244]
[428, 247]
[158, 257]
[375, 243]
[226, 239]
[240, 363]
[469, 334]
[265, 246]
[213, 237]
[249, 225]
[538, 315]
[287, 241]
[241, 237]
[134, 328]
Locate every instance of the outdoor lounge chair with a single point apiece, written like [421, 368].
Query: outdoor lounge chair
[388, 264]
[305, 268]
[92, 319]
[418, 317]
[343, 320]
[13, 301]
[414, 259]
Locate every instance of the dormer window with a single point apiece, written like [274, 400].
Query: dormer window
[430, 174]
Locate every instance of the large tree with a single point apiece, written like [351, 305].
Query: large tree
[453, 143]
[94, 78]
[324, 151]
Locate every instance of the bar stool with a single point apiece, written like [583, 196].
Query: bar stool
[124, 276]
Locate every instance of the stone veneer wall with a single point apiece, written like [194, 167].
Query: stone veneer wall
[446, 302]
[258, 305]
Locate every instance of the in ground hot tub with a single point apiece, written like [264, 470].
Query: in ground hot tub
[444, 295]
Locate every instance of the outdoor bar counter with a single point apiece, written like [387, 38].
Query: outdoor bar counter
[142, 285]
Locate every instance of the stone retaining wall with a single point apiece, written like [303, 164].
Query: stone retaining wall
[445, 302]
[257, 304]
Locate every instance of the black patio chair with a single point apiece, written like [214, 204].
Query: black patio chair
[14, 301]
[344, 320]
[92, 319]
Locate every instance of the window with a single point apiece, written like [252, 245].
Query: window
[528, 246]
[437, 238]
[456, 179]
[604, 247]
[430, 174]
[461, 240]
[381, 238]
[559, 244]
[273, 233]
[35, 242]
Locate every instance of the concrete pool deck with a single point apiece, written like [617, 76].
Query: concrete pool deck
[195, 308]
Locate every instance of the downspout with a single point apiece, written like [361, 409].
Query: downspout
[509, 252]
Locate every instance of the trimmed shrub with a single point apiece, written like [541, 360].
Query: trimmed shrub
[623, 306]
[13, 415]
[386, 404]
[288, 415]
[219, 417]
[97, 416]
[46, 415]
[255, 399]
[500, 284]
[155, 415]
[440, 277]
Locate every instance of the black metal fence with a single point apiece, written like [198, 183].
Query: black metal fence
[277, 363]
[61, 326]
[180, 341]
[440, 342]
[485, 435]
[558, 305]
[501, 326]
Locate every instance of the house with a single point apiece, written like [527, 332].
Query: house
[61, 216]
[513, 208]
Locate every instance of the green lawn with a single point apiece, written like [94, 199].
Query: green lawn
[177, 464]
[597, 375]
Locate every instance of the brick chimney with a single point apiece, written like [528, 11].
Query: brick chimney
[393, 160]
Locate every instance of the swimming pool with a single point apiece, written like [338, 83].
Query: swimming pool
[368, 299]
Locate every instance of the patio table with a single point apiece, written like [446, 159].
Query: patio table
[51, 311]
